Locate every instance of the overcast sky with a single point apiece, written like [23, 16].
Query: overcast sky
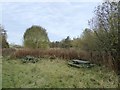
[60, 19]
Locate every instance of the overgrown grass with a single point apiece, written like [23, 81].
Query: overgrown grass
[100, 58]
[61, 53]
[55, 73]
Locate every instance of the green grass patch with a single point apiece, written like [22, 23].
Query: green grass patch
[56, 73]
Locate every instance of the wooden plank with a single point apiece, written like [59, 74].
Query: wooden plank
[81, 61]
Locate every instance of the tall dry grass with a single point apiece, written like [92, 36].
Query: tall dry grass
[7, 51]
[100, 58]
[51, 53]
